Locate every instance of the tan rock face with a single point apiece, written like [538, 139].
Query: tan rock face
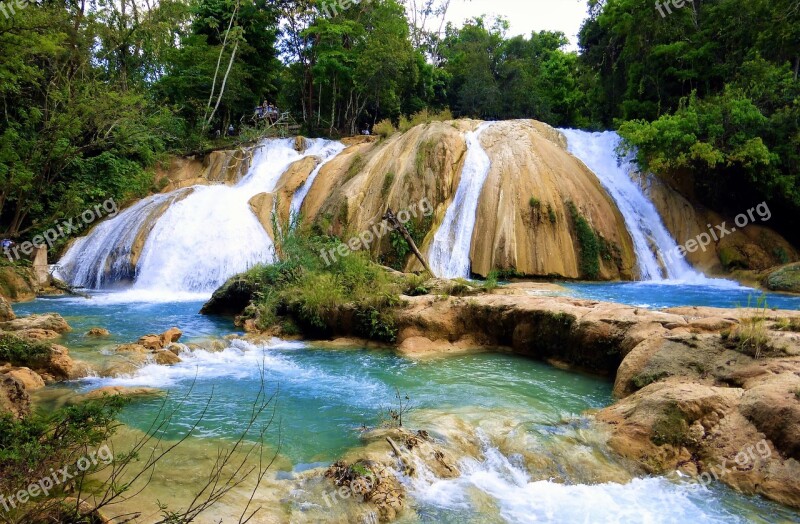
[122, 391]
[528, 160]
[13, 397]
[6, 311]
[220, 167]
[263, 204]
[30, 380]
[47, 321]
[753, 247]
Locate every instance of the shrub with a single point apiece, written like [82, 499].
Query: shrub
[590, 245]
[303, 288]
[19, 352]
[751, 336]
[535, 203]
[551, 214]
[388, 179]
[384, 128]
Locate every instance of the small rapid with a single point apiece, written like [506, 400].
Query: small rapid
[449, 252]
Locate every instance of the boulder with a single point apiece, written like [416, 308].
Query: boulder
[13, 397]
[97, 332]
[6, 311]
[122, 391]
[151, 342]
[787, 278]
[164, 357]
[169, 336]
[132, 348]
[47, 321]
[30, 380]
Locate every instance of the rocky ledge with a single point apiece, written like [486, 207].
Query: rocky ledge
[714, 393]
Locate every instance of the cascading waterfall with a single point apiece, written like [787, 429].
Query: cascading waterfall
[327, 154]
[200, 240]
[104, 257]
[656, 250]
[449, 252]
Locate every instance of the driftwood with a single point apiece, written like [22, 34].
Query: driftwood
[396, 225]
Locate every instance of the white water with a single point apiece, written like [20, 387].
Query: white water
[95, 261]
[656, 251]
[327, 154]
[448, 255]
[199, 241]
[518, 499]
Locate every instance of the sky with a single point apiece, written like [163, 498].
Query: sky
[526, 15]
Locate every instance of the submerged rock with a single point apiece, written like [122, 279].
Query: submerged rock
[98, 332]
[122, 391]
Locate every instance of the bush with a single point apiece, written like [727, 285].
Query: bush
[311, 292]
[384, 128]
[19, 352]
[590, 245]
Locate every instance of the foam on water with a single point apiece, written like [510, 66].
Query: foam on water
[519, 500]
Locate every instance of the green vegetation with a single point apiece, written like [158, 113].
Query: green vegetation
[314, 296]
[588, 240]
[535, 203]
[551, 214]
[97, 95]
[786, 324]
[671, 428]
[19, 352]
[711, 91]
[384, 128]
[751, 335]
[388, 179]
[645, 379]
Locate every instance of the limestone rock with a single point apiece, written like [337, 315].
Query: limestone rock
[122, 391]
[98, 332]
[169, 336]
[6, 311]
[29, 379]
[13, 397]
[47, 321]
[151, 342]
[166, 358]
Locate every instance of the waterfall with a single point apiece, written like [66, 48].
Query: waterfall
[198, 242]
[328, 153]
[656, 250]
[449, 252]
[104, 257]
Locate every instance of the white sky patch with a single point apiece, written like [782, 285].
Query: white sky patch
[526, 16]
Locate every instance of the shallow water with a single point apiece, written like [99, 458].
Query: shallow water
[537, 457]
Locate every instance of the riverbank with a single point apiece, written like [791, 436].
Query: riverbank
[695, 385]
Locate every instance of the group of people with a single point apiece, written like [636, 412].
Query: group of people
[267, 111]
